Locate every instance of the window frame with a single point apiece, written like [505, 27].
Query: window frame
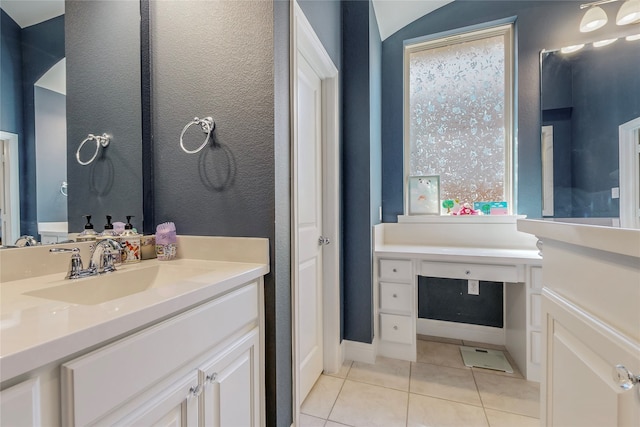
[460, 36]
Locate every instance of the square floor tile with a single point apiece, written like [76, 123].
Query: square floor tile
[505, 419]
[309, 421]
[367, 405]
[427, 411]
[513, 395]
[441, 354]
[322, 396]
[444, 382]
[391, 373]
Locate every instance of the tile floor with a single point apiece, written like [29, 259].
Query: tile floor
[437, 390]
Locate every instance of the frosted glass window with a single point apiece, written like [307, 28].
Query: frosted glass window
[459, 113]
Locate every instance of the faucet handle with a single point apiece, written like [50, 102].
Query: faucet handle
[75, 265]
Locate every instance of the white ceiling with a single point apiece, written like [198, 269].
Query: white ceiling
[392, 15]
[31, 12]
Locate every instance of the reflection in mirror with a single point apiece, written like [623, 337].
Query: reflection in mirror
[585, 96]
[101, 43]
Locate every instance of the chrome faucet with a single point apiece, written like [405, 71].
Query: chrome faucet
[26, 241]
[104, 256]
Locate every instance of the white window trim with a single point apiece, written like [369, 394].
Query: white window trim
[468, 34]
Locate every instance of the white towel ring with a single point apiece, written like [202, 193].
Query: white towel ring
[206, 124]
[101, 140]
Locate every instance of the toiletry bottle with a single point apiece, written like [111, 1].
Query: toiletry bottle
[131, 243]
[110, 233]
[88, 234]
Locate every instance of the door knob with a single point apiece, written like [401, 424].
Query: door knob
[323, 241]
[624, 378]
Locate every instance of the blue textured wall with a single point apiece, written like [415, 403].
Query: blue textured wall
[361, 151]
[10, 76]
[539, 24]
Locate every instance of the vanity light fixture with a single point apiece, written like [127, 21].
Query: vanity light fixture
[604, 42]
[596, 17]
[629, 12]
[571, 49]
[592, 20]
[633, 37]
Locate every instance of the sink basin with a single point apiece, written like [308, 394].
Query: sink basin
[107, 287]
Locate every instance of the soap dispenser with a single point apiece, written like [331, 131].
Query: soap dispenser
[131, 243]
[88, 234]
[109, 232]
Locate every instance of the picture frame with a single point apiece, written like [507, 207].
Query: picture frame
[424, 195]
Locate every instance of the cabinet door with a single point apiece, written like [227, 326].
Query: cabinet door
[173, 406]
[581, 353]
[20, 404]
[231, 380]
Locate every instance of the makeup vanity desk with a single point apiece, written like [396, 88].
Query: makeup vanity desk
[472, 248]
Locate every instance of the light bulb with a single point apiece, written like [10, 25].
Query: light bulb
[592, 20]
[603, 42]
[571, 49]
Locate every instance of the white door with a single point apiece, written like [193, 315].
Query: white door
[309, 226]
[231, 394]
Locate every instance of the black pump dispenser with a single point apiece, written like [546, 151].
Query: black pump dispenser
[88, 233]
[128, 225]
[108, 225]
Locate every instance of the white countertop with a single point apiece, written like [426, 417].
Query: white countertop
[621, 241]
[460, 254]
[36, 331]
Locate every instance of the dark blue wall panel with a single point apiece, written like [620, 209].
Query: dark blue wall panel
[11, 76]
[356, 180]
[539, 25]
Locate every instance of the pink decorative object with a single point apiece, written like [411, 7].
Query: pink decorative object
[466, 210]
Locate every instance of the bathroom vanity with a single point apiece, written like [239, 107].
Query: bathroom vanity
[473, 249]
[177, 342]
[590, 324]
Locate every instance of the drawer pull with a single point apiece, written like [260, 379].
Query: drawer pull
[395, 295]
[395, 328]
[467, 272]
[395, 270]
[211, 378]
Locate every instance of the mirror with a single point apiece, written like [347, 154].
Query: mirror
[585, 96]
[104, 47]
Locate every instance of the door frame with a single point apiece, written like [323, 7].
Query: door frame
[11, 191]
[629, 174]
[305, 41]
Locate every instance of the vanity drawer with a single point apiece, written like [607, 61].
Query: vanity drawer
[396, 328]
[452, 270]
[395, 269]
[395, 297]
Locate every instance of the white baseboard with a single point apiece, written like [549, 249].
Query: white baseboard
[359, 351]
[461, 331]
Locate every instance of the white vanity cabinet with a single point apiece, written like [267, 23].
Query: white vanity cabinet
[202, 367]
[20, 404]
[397, 308]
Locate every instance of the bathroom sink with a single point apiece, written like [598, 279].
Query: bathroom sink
[98, 289]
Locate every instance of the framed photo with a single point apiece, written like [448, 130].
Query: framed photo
[424, 195]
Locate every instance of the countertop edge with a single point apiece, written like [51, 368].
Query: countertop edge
[623, 241]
